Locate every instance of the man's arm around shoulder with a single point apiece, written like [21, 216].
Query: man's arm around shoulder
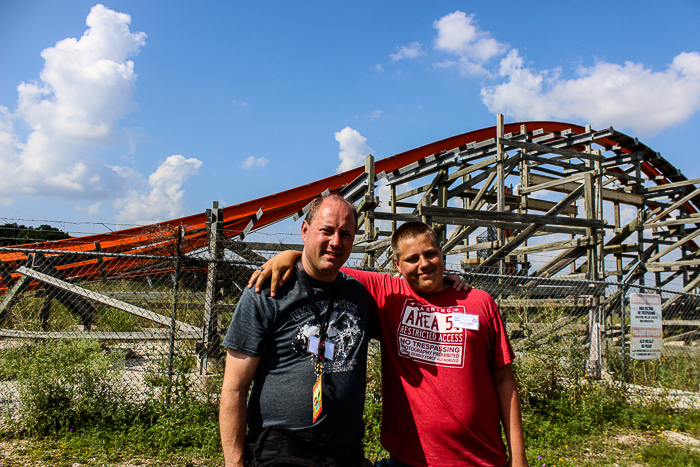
[511, 415]
[239, 372]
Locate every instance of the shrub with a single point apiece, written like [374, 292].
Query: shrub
[64, 385]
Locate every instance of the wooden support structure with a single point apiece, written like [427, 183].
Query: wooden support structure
[575, 187]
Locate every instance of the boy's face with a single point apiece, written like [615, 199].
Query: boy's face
[420, 263]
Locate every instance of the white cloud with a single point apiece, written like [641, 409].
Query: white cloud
[253, 161]
[85, 87]
[626, 96]
[378, 68]
[459, 34]
[353, 149]
[165, 199]
[91, 209]
[375, 114]
[237, 103]
[410, 51]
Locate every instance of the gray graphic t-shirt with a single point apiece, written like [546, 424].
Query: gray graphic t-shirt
[278, 330]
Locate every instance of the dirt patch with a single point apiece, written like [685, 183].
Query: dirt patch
[682, 440]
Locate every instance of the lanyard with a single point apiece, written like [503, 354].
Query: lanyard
[323, 321]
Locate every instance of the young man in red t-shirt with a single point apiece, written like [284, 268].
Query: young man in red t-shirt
[448, 381]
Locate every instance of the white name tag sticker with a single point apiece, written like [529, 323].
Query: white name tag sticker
[328, 349]
[313, 344]
[465, 321]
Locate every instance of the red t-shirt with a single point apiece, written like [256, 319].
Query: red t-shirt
[440, 406]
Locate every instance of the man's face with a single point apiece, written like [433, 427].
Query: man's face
[420, 263]
[328, 240]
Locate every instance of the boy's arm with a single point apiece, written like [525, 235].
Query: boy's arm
[511, 415]
[281, 267]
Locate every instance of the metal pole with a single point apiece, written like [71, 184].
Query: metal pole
[623, 323]
[173, 314]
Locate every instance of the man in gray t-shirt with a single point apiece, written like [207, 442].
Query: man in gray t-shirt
[268, 345]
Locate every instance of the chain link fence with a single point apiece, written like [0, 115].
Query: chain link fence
[163, 316]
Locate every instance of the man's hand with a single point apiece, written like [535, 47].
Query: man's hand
[280, 268]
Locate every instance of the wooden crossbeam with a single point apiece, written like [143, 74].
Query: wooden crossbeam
[675, 245]
[549, 149]
[459, 213]
[105, 300]
[666, 186]
[670, 266]
[691, 219]
[553, 183]
[674, 206]
[536, 224]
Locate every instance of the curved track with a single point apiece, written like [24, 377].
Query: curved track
[157, 239]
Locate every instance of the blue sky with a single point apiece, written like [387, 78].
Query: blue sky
[166, 106]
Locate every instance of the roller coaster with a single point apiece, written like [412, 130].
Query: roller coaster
[466, 189]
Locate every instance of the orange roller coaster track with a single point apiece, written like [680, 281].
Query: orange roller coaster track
[157, 239]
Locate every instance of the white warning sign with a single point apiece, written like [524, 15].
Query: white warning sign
[646, 326]
[429, 334]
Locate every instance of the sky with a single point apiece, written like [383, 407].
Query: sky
[131, 112]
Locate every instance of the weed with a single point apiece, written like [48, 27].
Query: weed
[65, 385]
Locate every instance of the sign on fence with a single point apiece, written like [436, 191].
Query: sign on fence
[645, 314]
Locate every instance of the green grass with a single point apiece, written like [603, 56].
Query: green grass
[569, 419]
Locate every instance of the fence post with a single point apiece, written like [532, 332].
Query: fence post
[593, 365]
[100, 261]
[623, 314]
[501, 156]
[173, 314]
[623, 325]
[210, 330]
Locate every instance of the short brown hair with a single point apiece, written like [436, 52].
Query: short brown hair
[409, 230]
[315, 205]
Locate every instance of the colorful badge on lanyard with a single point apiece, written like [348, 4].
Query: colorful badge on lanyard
[318, 345]
[318, 393]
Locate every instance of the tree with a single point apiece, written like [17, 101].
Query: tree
[14, 234]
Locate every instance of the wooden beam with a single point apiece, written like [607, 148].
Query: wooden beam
[680, 242]
[551, 150]
[552, 183]
[560, 245]
[460, 213]
[105, 300]
[378, 244]
[527, 233]
[565, 165]
[691, 219]
[388, 216]
[674, 206]
[666, 186]
[413, 192]
[608, 194]
[471, 168]
[486, 174]
[672, 265]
